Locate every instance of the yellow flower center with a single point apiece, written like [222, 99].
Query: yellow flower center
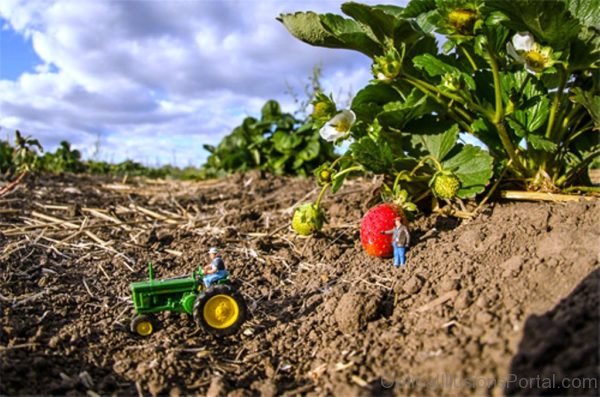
[463, 20]
[535, 60]
[342, 125]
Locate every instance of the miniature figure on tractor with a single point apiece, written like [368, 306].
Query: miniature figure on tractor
[219, 309]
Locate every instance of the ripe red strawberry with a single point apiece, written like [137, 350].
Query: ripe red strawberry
[379, 219]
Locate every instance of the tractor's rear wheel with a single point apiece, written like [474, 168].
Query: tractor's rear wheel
[143, 325]
[220, 310]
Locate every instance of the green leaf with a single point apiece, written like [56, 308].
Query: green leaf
[298, 162]
[351, 34]
[437, 144]
[590, 102]
[428, 124]
[372, 155]
[255, 156]
[425, 22]
[531, 115]
[393, 10]
[537, 115]
[497, 36]
[407, 33]
[538, 142]
[474, 167]
[311, 151]
[271, 111]
[418, 7]
[395, 115]
[369, 101]
[586, 11]
[433, 65]
[307, 27]
[285, 142]
[549, 21]
[585, 50]
[517, 126]
[377, 20]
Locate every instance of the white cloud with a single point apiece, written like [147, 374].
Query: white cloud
[153, 77]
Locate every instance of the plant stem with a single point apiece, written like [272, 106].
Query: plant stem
[585, 128]
[499, 114]
[570, 116]
[422, 178]
[451, 111]
[348, 170]
[437, 164]
[461, 122]
[321, 193]
[586, 189]
[422, 196]
[505, 139]
[556, 102]
[469, 57]
[425, 87]
[337, 160]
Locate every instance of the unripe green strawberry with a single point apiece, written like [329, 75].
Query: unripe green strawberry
[445, 186]
[307, 219]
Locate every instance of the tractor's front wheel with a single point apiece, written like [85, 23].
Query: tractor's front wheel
[143, 325]
[220, 310]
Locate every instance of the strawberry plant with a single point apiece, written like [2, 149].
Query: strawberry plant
[519, 77]
[64, 159]
[25, 156]
[277, 142]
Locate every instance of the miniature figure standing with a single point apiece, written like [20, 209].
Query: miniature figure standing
[400, 241]
[215, 270]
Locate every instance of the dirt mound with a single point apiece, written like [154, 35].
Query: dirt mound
[482, 307]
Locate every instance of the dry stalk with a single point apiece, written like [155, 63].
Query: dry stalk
[173, 252]
[539, 196]
[87, 288]
[53, 206]
[103, 271]
[57, 221]
[106, 217]
[21, 346]
[9, 187]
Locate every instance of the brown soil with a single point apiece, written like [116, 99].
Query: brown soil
[502, 304]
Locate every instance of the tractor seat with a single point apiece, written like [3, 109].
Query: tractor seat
[222, 279]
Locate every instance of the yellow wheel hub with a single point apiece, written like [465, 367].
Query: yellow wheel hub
[144, 328]
[221, 311]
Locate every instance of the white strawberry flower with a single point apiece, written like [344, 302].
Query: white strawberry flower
[524, 49]
[339, 126]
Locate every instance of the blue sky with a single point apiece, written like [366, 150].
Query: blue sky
[16, 54]
[154, 80]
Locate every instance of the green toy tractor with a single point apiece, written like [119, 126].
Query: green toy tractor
[220, 309]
